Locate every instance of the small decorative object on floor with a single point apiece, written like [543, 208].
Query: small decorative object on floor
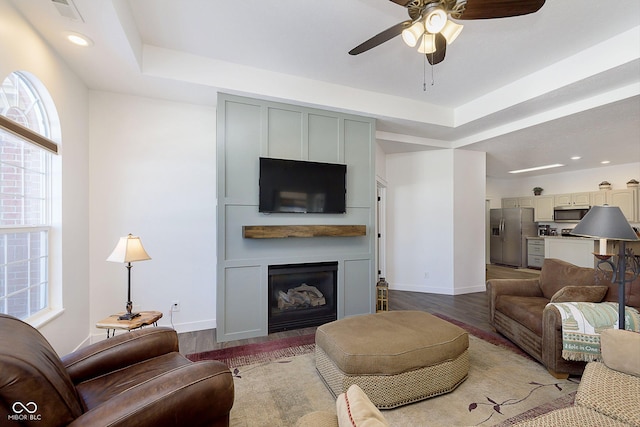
[382, 292]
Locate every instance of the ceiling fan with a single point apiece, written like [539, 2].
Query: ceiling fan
[430, 28]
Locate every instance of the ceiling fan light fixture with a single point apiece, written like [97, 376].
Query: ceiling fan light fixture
[412, 34]
[451, 31]
[435, 19]
[427, 43]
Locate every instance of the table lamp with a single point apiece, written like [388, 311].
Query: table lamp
[608, 222]
[129, 249]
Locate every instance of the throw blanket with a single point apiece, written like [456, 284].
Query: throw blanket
[582, 323]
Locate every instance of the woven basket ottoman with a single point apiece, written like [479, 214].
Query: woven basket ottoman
[396, 357]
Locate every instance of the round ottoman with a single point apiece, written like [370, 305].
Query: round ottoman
[396, 357]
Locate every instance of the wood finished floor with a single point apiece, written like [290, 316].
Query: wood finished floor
[468, 308]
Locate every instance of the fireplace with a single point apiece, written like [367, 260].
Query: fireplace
[302, 295]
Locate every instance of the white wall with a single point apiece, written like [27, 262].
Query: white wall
[469, 188]
[70, 237]
[153, 174]
[435, 221]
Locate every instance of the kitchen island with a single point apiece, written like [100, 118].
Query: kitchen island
[576, 250]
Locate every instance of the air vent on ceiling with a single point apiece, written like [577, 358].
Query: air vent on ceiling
[67, 9]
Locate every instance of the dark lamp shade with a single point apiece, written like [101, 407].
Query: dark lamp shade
[605, 222]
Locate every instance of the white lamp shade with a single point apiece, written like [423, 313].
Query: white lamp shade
[427, 44]
[607, 222]
[451, 31]
[129, 249]
[435, 20]
[412, 34]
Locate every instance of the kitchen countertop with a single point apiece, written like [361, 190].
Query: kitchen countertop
[559, 237]
[570, 237]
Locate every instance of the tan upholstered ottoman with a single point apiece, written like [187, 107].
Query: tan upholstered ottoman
[396, 357]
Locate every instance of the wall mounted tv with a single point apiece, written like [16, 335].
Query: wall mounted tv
[302, 187]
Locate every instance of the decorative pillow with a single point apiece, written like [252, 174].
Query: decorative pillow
[620, 349]
[580, 294]
[356, 410]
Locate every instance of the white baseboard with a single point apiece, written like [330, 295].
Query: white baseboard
[437, 290]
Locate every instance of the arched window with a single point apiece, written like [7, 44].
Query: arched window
[25, 195]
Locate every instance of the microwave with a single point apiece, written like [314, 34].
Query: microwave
[569, 213]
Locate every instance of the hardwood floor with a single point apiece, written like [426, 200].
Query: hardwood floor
[468, 308]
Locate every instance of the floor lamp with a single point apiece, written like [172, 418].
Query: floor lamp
[608, 222]
[129, 249]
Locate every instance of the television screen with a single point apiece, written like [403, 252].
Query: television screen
[302, 187]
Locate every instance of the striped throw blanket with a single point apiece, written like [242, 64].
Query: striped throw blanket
[582, 323]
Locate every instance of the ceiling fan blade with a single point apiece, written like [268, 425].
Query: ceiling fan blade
[380, 38]
[488, 9]
[441, 49]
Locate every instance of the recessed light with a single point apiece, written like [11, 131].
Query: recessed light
[576, 158]
[537, 168]
[79, 39]
[605, 162]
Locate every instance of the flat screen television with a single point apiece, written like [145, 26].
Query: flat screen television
[297, 186]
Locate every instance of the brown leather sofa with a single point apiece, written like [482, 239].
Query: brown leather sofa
[518, 310]
[136, 378]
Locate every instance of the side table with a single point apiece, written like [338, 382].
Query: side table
[112, 323]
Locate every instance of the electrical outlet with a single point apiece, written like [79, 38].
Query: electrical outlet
[175, 305]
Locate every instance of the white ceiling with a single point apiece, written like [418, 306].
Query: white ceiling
[529, 90]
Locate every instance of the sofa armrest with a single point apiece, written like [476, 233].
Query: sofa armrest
[197, 394]
[517, 287]
[119, 351]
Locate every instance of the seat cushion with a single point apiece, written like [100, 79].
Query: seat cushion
[391, 342]
[96, 391]
[525, 310]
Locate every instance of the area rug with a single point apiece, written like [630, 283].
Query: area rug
[277, 386]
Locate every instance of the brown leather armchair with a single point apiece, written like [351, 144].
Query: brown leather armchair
[134, 379]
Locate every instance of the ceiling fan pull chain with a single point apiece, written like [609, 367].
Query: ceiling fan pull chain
[424, 74]
[433, 80]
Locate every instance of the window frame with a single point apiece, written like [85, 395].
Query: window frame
[41, 99]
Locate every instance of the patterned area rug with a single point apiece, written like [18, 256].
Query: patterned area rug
[276, 383]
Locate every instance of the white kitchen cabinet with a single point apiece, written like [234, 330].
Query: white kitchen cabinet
[576, 250]
[525, 202]
[543, 208]
[510, 202]
[626, 200]
[598, 198]
[573, 199]
[517, 202]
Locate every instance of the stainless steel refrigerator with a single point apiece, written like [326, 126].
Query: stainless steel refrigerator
[510, 228]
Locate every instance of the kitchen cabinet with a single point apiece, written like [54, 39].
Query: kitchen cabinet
[517, 202]
[626, 200]
[573, 199]
[543, 208]
[598, 198]
[535, 252]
